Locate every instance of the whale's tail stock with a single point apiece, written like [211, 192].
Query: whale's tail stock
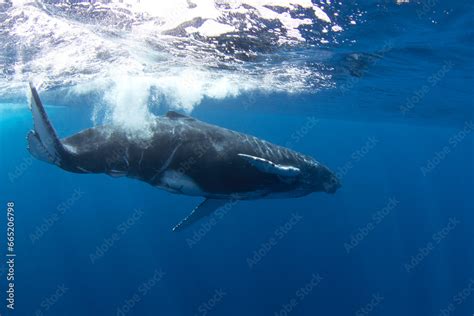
[43, 142]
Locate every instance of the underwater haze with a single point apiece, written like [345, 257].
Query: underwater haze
[381, 92]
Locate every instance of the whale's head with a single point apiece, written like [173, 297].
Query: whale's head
[321, 179]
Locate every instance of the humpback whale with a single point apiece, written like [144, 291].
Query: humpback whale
[184, 156]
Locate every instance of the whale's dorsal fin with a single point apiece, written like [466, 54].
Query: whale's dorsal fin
[204, 209]
[176, 115]
[268, 166]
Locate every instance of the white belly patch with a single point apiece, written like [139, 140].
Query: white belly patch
[179, 183]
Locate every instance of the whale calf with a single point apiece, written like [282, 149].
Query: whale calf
[184, 156]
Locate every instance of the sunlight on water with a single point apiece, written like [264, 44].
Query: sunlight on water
[134, 52]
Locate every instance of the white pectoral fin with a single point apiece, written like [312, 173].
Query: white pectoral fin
[202, 210]
[268, 166]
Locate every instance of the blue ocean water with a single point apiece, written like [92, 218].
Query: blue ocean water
[387, 104]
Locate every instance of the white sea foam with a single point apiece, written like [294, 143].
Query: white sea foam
[144, 52]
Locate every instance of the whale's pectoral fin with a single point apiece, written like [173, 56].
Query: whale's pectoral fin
[268, 166]
[202, 210]
[43, 143]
